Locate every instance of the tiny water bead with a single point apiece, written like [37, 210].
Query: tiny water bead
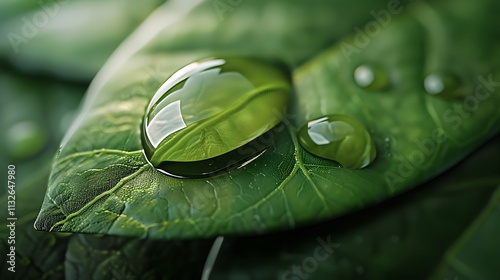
[372, 77]
[340, 138]
[443, 84]
[214, 115]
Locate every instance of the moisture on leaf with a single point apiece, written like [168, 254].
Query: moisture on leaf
[215, 114]
[372, 77]
[443, 84]
[339, 138]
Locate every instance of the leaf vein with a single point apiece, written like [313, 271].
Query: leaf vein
[101, 195]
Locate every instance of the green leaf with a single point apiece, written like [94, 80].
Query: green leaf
[57, 37]
[101, 182]
[451, 219]
[473, 255]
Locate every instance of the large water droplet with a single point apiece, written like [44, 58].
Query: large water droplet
[214, 115]
[443, 84]
[340, 138]
[372, 77]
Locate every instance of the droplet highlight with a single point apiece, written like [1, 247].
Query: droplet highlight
[215, 115]
[443, 84]
[371, 77]
[339, 138]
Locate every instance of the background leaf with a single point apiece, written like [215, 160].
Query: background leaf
[84, 33]
[28, 111]
[30, 100]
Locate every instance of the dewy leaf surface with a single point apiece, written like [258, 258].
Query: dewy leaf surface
[101, 183]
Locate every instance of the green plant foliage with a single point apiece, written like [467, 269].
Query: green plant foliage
[421, 76]
[101, 182]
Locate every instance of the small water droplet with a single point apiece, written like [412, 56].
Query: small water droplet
[215, 115]
[340, 138]
[443, 84]
[372, 77]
